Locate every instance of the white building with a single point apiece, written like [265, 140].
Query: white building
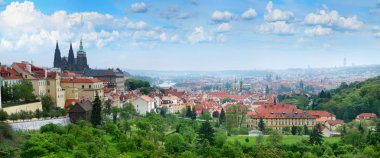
[143, 104]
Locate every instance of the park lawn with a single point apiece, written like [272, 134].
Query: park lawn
[286, 139]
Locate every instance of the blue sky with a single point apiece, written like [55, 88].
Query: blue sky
[194, 34]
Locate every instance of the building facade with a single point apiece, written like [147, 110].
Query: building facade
[112, 78]
[82, 88]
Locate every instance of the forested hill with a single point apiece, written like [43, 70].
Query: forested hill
[349, 100]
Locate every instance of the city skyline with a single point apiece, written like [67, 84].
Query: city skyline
[194, 34]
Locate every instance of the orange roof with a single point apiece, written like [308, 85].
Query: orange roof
[80, 80]
[366, 115]
[70, 101]
[334, 122]
[320, 113]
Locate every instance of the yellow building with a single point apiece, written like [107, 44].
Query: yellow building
[82, 88]
[280, 120]
[43, 82]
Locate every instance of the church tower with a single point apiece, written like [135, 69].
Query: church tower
[81, 58]
[57, 57]
[71, 61]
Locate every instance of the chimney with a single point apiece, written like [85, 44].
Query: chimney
[45, 73]
[28, 67]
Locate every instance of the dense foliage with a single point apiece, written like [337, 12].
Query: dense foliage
[349, 100]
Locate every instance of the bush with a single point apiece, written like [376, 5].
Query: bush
[3, 115]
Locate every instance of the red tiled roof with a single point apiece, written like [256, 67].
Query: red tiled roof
[366, 115]
[80, 80]
[70, 101]
[320, 113]
[8, 73]
[335, 122]
[278, 108]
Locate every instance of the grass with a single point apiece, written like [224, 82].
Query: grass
[286, 139]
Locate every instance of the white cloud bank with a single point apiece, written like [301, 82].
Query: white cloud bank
[333, 19]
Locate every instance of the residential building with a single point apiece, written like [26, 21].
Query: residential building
[82, 88]
[366, 116]
[112, 78]
[321, 116]
[43, 82]
[80, 111]
[143, 104]
[280, 120]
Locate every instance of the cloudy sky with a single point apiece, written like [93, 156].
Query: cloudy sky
[194, 34]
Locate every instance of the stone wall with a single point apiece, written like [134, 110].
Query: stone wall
[26, 107]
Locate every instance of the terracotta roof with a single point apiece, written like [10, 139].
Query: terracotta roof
[303, 115]
[8, 73]
[335, 122]
[320, 113]
[278, 108]
[366, 115]
[80, 80]
[71, 101]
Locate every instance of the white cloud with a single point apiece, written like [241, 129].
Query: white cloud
[249, 14]
[137, 25]
[5, 44]
[27, 28]
[199, 35]
[174, 12]
[376, 31]
[219, 16]
[333, 19]
[278, 27]
[276, 14]
[224, 27]
[139, 7]
[317, 31]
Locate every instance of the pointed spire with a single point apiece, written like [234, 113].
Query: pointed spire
[56, 46]
[71, 46]
[80, 45]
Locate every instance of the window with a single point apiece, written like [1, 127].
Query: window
[82, 86]
[89, 86]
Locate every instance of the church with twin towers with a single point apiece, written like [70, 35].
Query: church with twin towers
[78, 64]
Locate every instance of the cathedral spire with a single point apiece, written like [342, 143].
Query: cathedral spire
[57, 56]
[71, 56]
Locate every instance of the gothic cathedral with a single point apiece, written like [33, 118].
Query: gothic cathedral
[71, 63]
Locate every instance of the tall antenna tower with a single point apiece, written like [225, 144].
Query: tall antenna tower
[345, 62]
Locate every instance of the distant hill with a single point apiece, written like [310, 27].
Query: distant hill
[349, 100]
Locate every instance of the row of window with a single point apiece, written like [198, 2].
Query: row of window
[95, 86]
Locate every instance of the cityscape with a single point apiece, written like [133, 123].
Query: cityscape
[188, 79]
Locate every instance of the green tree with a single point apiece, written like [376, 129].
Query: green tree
[96, 114]
[275, 138]
[6, 93]
[206, 115]
[294, 130]
[3, 115]
[305, 130]
[261, 125]
[316, 136]
[222, 117]
[286, 130]
[47, 103]
[24, 90]
[175, 143]
[194, 114]
[189, 113]
[206, 132]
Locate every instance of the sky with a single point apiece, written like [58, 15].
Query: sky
[193, 34]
